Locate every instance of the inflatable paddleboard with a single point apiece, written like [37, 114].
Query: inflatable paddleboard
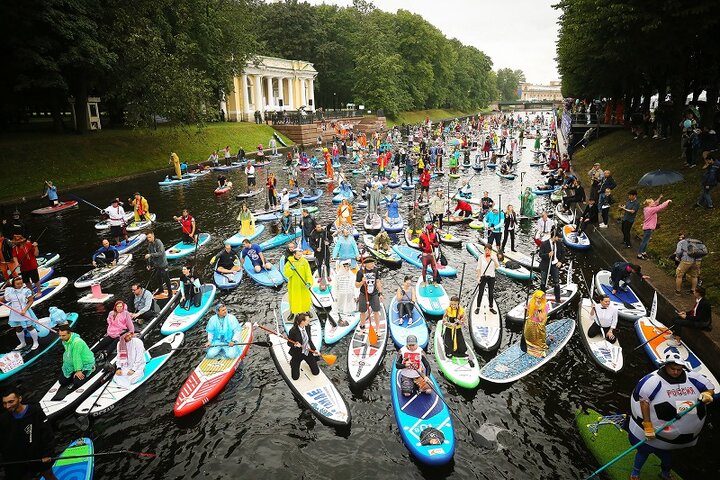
[133, 242]
[364, 359]
[267, 278]
[137, 226]
[57, 208]
[280, 240]
[628, 304]
[608, 356]
[237, 239]
[485, 327]
[76, 468]
[181, 249]
[181, 320]
[413, 257]
[432, 299]
[572, 240]
[462, 371]
[389, 258]
[100, 274]
[400, 328]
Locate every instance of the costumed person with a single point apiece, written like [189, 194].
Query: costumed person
[223, 331]
[247, 221]
[228, 260]
[344, 213]
[188, 226]
[27, 435]
[190, 294]
[299, 275]
[344, 289]
[130, 360]
[660, 397]
[255, 254]
[20, 298]
[381, 242]
[534, 338]
[428, 244]
[301, 346]
[345, 247]
[175, 161]
[370, 285]
[374, 199]
[140, 207]
[116, 219]
[271, 185]
[453, 321]
[119, 320]
[437, 207]
[320, 240]
[393, 210]
[78, 361]
[106, 255]
[406, 300]
[485, 271]
[605, 318]
[414, 368]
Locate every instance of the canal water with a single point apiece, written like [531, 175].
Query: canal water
[256, 429]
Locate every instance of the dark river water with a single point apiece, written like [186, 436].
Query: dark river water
[256, 429]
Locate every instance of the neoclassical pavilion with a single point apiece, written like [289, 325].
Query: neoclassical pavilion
[270, 84]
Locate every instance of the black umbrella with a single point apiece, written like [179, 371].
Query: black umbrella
[660, 177]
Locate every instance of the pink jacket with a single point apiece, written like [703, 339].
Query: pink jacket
[650, 221]
[117, 323]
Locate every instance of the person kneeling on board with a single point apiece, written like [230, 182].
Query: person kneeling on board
[453, 321]
[190, 293]
[605, 318]
[302, 346]
[78, 361]
[130, 360]
[223, 331]
[414, 368]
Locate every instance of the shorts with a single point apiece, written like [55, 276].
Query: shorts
[374, 303]
[30, 276]
[116, 231]
[691, 269]
[423, 188]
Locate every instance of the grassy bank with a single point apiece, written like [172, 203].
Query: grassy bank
[72, 160]
[420, 115]
[629, 160]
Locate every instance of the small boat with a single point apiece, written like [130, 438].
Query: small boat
[628, 304]
[182, 320]
[400, 328]
[171, 182]
[567, 293]
[513, 364]
[314, 197]
[485, 326]
[99, 274]
[280, 239]
[432, 298]
[105, 224]
[389, 258]
[364, 359]
[225, 281]
[136, 226]
[462, 371]
[372, 223]
[133, 242]
[75, 468]
[608, 356]
[573, 240]
[413, 257]
[57, 208]
[237, 239]
[249, 194]
[182, 249]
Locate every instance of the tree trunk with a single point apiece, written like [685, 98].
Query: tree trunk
[678, 98]
[56, 112]
[708, 111]
[81, 96]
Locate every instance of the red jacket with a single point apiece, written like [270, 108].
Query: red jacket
[425, 179]
[428, 241]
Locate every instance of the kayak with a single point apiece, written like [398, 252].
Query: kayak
[417, 412]
[372, 223]
[316, 392]
[131, 243]
[567, 293]
[432, 299]
[280, 239]
[606, 440]
[462, 371]
[485, 327]
[400, 328]
[545, 191]
[513, 364]
[609, 356]
[14, 361]
[565, 217]
[237, 239]
[169, 182]
[105, 224]
[182, 320]
[412, 256]
[660, 341]
[393, 224]
[249, 194]
[57, 208]
[107, 396]
[182, 249]
[223, 190]
[225, 281]
[210, 377]
[99, 274]
[389, 258]
[509, 176]
[312, 198]
[364, 359]
[76, 468]
[572, 240]
[47, 259]
[316, 333]
[267, 278]
[136, 226]
[628, 304]
[508, 268]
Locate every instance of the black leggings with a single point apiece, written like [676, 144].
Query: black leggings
[438, 217]
[164, 279]
[107, 344]
[450, 351]
[490, 282]
[511, 234]
[295, 361]
[405, 308]
[594, 331]
[191, 298]
[72, 379]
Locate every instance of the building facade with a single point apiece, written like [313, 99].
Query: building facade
[270, 84]
[531, 91]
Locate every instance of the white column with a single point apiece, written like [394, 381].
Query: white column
[291, 93]
[312, 93]
[303, 95]
[270, 98]
[245, 97]
[258, 94]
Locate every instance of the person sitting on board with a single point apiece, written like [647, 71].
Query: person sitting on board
[223, 331]
[118, 320]
[465, 191]
[299, 277]
[535, 341]
[189, 227]
[453, 321]
[660, 397]
[143, 303]
[140, 207]
[370, 285]
[105, 256]
[228, 260]
[116, 219]
[414, 368]
[51, 193]
[621, 273]
[301, 346]
[27, 435]
[20, 298]
[346, 247]
[487, 263]
[698, 317]
[130, 360]
[406, 300]
[190, 294]
[78, 361]
[221, 181]
[254, 252]
[428, 244]
[247, 221]
[605, 318]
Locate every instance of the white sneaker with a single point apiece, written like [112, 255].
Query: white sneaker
[602, 225]
[21, 346]
[35, 346]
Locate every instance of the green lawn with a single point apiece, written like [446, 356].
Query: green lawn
[629, 160]
[420, 115]
[72, 160]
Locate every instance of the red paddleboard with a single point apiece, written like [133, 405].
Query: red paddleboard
[210, 377]
[225, 189]
[57, 208]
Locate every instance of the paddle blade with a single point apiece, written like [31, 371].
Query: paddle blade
[329, 358]
[372, 336]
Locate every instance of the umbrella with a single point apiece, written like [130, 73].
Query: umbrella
[660, 177]
[454, 141]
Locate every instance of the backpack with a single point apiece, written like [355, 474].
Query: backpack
[696, 249]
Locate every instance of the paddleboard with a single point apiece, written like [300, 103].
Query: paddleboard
[364, 359]
[76, 468]
[47, 259]
[223, 190]
[509, 269]
[182, 249]
[393, 224]
[372, 223]
[389, 258]
[572, 240]
[267, 278]
[628, 304]
[413, 257]
[170, 182]
[280, 240]
[249, 194]
[462, 371]
[485, 326]
[57, 208]
[312, 198]
[98, 275]
[322, 298]
[225, 281]
[432, 299]
[136, 226]
[105, 224]
[237, 239]
[400, 328]
[133, 242]
[181, 320]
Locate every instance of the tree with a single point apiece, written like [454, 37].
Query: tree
[508, 83]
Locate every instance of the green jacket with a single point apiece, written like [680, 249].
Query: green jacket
[77, 356]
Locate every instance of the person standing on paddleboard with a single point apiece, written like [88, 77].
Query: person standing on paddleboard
[428, 243]
[250, 173]
[157, 262]
[438, 205]
[20, 298]
[552, 256]
[8, 266]
[116, 219]
[658, 398]
[223, 331]
[297, 271]
[25, 254]
[140, 207]
[370, 285]
[487, 263]
[189, 228]
[27, 435]
[302, 346]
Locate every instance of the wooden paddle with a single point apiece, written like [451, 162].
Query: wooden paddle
[328, 357]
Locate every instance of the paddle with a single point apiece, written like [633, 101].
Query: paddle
[31, 319]
[203, 347]
[143, 455]
[328, 357]
[75, 197]
[270, 192]
[644, 440]
[309, 287]
[662, 332]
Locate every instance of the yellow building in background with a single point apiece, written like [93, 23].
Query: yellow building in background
[270, 84]
[531, 91]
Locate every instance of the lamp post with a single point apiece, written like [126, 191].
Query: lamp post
[334, 101]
